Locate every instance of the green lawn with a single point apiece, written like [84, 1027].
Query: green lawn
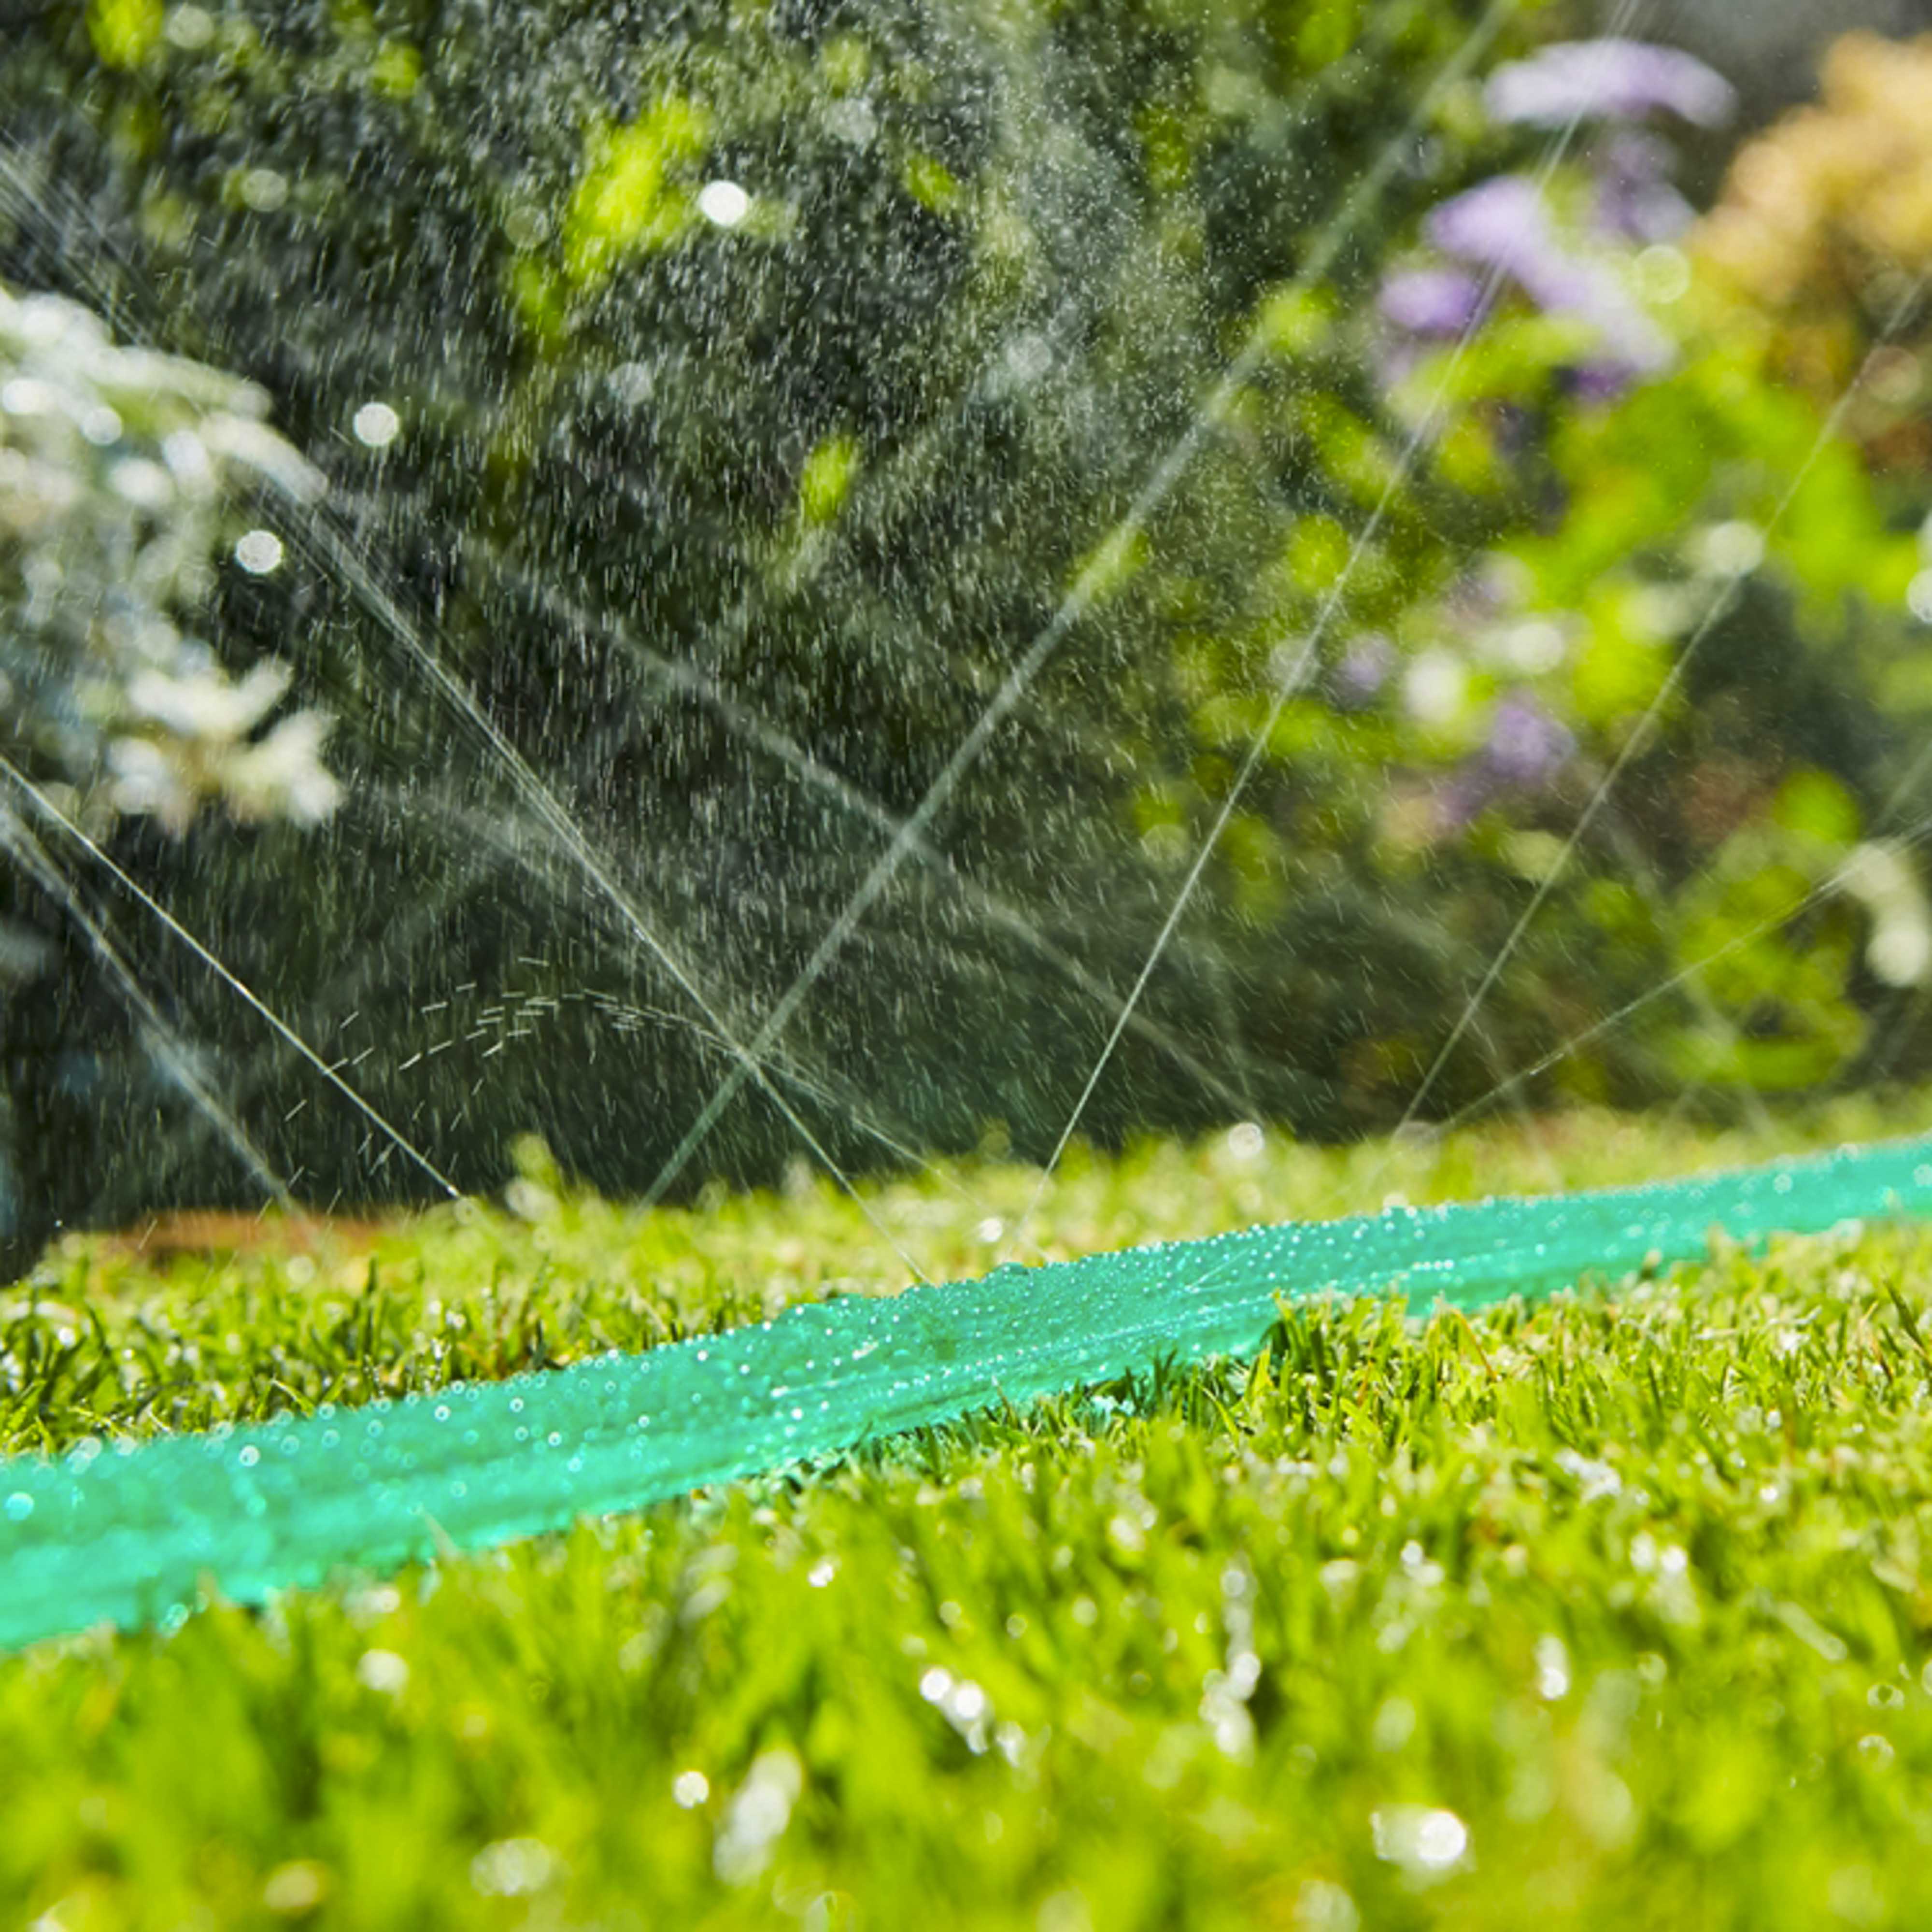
[1609, 1611]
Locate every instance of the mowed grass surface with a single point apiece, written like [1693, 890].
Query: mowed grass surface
[1614, 1610]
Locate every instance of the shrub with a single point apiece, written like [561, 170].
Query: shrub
[122, 474]
[717, 421]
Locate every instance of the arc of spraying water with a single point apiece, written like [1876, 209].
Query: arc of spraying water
[1153, 493]
[536, 795]
[548, 809]
[483, 831]
[1684, 975]
[1420, 437]
[46, 809]
[689, 681]
[1640, 736]
[20, 845]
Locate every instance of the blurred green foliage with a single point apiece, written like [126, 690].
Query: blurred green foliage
[760, 391]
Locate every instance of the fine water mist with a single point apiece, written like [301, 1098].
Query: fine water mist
[876, 582]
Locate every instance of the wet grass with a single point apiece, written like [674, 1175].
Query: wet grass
[1609, 1611]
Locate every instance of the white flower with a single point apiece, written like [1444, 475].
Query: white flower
[147, 778]
[1878, 875]
[204, 703]
[284, 776]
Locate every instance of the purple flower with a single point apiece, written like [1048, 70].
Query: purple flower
[1501, 223]
[1431, 301]
[1364, 668]
[1504, 224]
[1489, 592]
[1599, 381]
[1461, 799]
[1608, 80]
[1635, 200]
[1527, 746]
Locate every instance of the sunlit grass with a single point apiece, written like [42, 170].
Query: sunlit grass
[1611, 1611]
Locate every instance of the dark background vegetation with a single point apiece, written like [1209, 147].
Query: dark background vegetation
[732, 535]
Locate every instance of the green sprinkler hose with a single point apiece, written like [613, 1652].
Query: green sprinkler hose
[131, 1533]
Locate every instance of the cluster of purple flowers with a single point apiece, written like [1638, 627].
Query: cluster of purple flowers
[1504, 231]
[1576, 81]
[1526, 750]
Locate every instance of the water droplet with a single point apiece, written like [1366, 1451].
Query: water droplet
[852, 120]
[724, 203]
[383, 1671]
[376, 425]
[259, 552]
[19, 1506]
[633, 382]
[1427, 1840]
[263, 190]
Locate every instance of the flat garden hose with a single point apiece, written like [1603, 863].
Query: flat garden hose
[134, 1534]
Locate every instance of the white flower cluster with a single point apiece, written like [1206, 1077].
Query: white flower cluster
[122, 473]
